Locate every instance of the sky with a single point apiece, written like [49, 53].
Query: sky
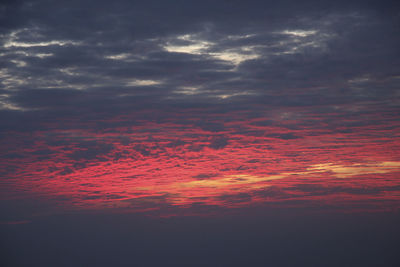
[199, 133]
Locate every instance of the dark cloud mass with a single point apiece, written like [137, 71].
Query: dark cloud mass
[198, 108]
[68, 55]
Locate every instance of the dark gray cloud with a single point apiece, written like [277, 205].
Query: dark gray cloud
[236, 198]
[203, 176]
[89, 150]
[101, 55]
[286, 136]
[218, 142]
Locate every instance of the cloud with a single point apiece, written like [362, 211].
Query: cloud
[323, 190]
[345, 171]
[89, 150]
[218, 142]
[245, 62]
[15, 222]
[214, 94]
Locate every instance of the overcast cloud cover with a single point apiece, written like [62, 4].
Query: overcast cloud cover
[174, 108]
[79, 57]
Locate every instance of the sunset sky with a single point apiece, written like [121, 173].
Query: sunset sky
[199, 133]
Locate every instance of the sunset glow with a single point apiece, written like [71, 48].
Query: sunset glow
[231, 163]
[199, 133]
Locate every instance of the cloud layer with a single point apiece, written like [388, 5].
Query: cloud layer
[173, 103]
